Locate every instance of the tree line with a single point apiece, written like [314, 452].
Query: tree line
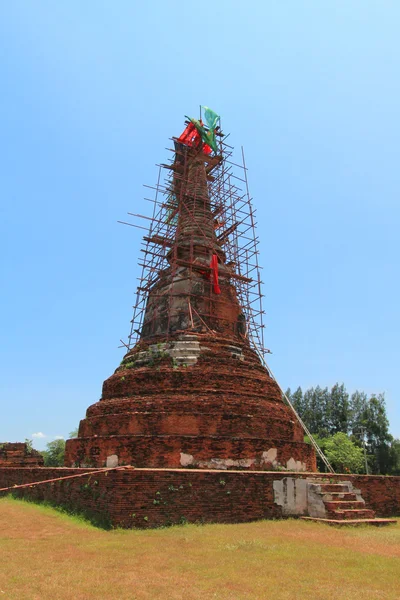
[343, 423]
[55, 451]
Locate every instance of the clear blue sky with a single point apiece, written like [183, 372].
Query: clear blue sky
[90, 93]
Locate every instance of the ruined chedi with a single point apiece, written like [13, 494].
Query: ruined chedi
[192, 391]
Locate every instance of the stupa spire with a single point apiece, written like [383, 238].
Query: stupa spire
[191, 389]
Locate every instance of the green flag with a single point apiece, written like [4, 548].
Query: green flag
[210, 117]
[208, 137]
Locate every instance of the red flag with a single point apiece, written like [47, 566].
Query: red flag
[190, 137]
[214, 267]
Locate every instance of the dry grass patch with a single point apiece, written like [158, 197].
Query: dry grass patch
[45, 555]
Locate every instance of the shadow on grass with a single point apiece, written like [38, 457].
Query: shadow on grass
[82, 516]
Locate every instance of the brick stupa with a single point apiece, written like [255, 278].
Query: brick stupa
[192, 392]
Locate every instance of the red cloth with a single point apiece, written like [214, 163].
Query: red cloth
[190, 137]
[214, 266]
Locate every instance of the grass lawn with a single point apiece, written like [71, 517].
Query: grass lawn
[48, 556]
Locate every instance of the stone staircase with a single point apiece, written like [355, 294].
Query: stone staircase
[339, 504]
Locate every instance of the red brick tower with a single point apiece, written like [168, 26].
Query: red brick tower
[192, 391]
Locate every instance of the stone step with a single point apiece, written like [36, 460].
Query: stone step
[333, 496]
[182, 352]
[377, 522]
[186, 360]
[352, 514]
[334, 487]
[316, 483]
[180, 359]
[341, 504]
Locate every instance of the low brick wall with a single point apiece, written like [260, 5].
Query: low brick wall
[17, 454]
[157, 497]
[381, 493]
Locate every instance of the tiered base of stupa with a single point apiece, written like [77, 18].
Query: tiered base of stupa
[197, 400]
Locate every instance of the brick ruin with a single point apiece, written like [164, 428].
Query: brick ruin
[143, 498]
[192, 390]
[18, 454]
[192, 406]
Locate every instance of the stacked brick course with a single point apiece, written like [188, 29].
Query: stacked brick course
[156, 497]
[18, 454]
[219, 409]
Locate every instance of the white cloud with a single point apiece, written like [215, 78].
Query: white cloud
[59, 437]
[39, 435]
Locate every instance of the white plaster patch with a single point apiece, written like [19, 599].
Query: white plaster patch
[226, 463]
[184, 351]
[291, 494]
[315, 502]
[295, 465]
[236, 352]
[112, 461]
[269, 457]
[186, 459]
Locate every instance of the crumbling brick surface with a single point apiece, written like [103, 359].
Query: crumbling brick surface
[18, 454]
[225, 406]
[158, 451]
[156, 497]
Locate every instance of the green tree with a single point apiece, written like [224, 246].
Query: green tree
[378, 437]
[376, 421]
[29, 445]
[338, 413]
[358, 407]
[320, 441]
[343, 454]
[325, 403]
[74, 433]
[314, 410]
[394, 458]
[54, 455]
[326, 413]
[297, 401]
